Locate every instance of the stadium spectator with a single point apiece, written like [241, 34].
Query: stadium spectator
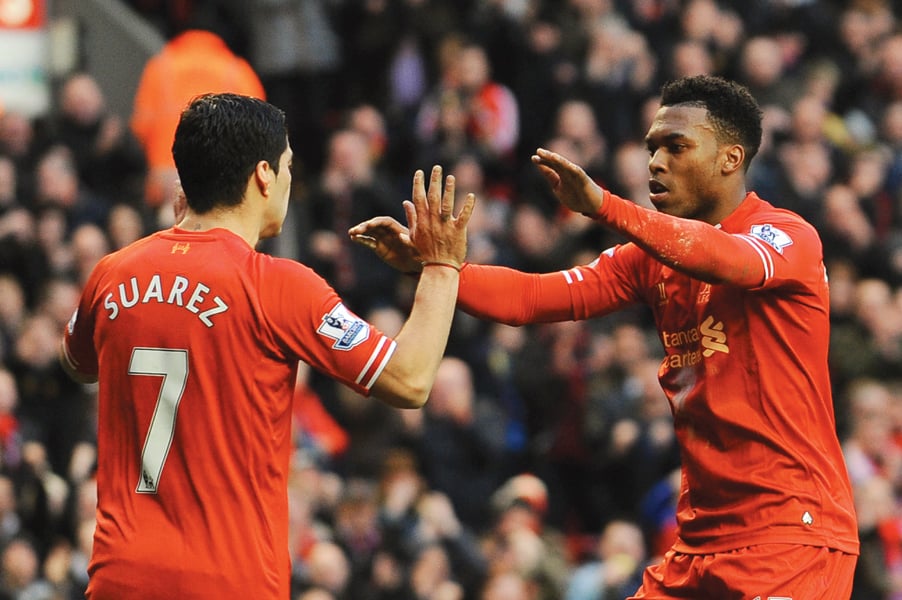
[878, 573]
[20, 142]
[870, 449]
[9, 187]
[194, 61]
[616, 571]
[57, 184]
[108, 157]
[351, 188]
[617, 72]
[296, 50]
[461, 444]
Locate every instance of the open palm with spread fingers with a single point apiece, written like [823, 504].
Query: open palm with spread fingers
[433, 235]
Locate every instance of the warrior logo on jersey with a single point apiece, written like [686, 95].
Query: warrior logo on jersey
[772, 236]
[343, 326]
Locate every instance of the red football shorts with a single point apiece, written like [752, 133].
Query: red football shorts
[762, 572]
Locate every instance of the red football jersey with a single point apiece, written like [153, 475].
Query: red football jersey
[745, 371]
[195, 339]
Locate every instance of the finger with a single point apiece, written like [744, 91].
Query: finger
[433, 195]
[552, 176]
[544, 162]
[545, 154]
[362, 227]
[540, 156]
[551, 159]
[365, 240]
[410, 212]
[448, 198]
[418, 193]
[466, 210]
[371, 224]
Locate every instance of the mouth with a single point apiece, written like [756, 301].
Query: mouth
[656, 190]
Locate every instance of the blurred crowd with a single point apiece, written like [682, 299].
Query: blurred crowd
[544, 465]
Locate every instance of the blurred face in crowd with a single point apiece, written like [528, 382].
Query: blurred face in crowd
[7, 181]
[81, 100]
[474, 68]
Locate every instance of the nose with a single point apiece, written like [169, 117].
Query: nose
[656, 163]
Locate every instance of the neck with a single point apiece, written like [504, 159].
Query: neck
[725, 209]
[236, 219]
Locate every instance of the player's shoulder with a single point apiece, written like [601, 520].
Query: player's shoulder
[286, 275]
[776, 226]
[133, 252]
[278, 265]
[761, 210]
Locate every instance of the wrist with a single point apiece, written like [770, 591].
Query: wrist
[441, 263]
[597, 212]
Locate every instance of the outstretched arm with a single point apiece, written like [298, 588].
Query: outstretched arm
[439, 240]
[489, 292]
[693, 247]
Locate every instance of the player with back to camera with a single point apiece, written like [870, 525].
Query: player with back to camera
[739, 294]
[195, 339]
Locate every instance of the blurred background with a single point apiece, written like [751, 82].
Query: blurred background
[544, 465]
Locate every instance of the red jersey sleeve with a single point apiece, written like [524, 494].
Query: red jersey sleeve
[685, 244]
[789, 250]
[516, 298]
[780, 250]
[309, 321]
[78, 339]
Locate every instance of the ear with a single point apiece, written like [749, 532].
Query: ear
[263, 176]
[733, 159]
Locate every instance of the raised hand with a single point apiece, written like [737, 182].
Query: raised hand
[569, 182]
[433, 234]
[390, 241]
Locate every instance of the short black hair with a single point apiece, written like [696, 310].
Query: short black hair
[732, 109]
[219, 140]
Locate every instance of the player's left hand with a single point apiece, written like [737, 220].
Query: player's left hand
[433, 232]
[569, 182]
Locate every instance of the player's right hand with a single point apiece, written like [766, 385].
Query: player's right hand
[569, 182]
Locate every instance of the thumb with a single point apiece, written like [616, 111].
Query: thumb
[411, 213]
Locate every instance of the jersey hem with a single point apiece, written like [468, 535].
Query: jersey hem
[725, 544]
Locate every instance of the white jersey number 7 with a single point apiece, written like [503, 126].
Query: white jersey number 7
[172, 365]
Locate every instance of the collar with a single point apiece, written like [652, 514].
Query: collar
[736, 219]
